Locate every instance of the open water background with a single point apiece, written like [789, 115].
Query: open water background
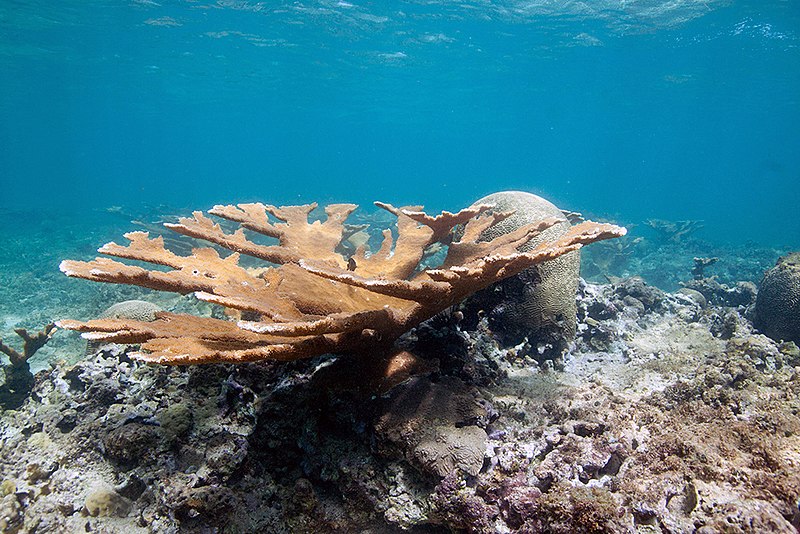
[624, 109]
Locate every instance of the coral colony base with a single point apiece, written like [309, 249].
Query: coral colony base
[671, 413]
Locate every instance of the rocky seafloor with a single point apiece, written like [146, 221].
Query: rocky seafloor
[669, 413]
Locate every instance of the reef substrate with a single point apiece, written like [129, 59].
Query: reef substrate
[669, 414]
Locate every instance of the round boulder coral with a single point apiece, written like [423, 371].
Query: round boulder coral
[138, 310]
[777, 311]
[538, 303]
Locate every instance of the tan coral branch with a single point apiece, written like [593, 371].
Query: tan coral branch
[201, 227]
[412, 290]
[335, 323]
[31, 343]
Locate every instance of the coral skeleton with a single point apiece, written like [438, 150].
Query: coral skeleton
[31, 343]
[19, 380]
[309, 298]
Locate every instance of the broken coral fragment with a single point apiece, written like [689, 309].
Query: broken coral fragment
[19, 380]
[308, 298]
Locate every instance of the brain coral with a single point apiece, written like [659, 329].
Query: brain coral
[138, 310]
[538, 303]
[777, 312]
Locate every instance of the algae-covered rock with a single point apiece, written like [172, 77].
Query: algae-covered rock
[539, 303]
[454, 504]
[7, 487]
[10, 513]
[131, 444]
[175, 420]
[105, 502]
[566, 506]
[777, 311]
[205, 504]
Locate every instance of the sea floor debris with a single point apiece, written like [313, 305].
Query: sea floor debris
[670, 415]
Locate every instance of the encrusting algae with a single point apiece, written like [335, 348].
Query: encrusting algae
[309, 299]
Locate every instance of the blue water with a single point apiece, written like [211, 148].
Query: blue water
[626, 110]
